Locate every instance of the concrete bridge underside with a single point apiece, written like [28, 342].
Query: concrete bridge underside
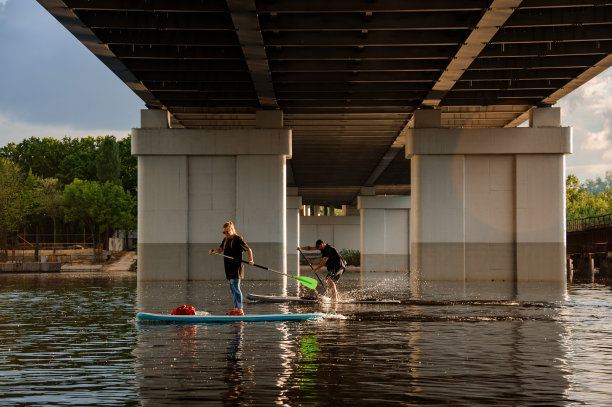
[359, 103]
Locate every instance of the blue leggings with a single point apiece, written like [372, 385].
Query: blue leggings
[234, 284]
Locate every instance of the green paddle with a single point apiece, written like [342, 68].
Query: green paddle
[306, 281]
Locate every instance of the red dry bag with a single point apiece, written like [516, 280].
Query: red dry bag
[183, 310]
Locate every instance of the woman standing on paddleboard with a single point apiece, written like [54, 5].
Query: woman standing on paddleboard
[233, 245]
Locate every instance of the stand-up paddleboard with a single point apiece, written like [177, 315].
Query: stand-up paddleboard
[272, 298]
[191, 319]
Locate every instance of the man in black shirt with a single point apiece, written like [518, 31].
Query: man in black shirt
[332, 260]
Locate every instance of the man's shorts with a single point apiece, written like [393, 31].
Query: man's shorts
[334, 275]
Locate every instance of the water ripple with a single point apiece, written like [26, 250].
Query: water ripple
[73, 340]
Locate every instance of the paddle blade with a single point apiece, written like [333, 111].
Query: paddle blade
[307, 281]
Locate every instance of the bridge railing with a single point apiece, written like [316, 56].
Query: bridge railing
[593, 222]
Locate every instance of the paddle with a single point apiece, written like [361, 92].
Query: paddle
[312, 268]
[307, 281]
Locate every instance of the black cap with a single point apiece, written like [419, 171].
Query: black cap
[318, 242]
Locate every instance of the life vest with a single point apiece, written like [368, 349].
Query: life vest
[183, 310]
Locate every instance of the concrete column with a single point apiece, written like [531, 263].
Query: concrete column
[384, 232]
[342, 232]
[190, 182]
[294, 204]
[488, 204]
[540, 204]
[162, 212]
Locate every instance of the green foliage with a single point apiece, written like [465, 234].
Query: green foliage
[352, 257]
[16, 203]
[79, 161]
[129, 165]
[49, 200]
[108, 162]
[100, 158]
[78, 164]
[37, 188]
[599, 185]
[41, 157]
[102, 207]
[582, 202]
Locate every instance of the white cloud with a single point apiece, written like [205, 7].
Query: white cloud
[597, 93]
[598, 140]
[590, 171]
[588, 110]
[15, 131]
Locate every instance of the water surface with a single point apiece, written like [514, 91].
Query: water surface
[71, 339]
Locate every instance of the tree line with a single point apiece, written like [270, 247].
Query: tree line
[50, 186]
[590, 198]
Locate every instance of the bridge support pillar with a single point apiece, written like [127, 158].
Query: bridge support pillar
[488, 204]
[605, 268]
[190, 182]
[385, 223]
[584, 268]
[294, 205]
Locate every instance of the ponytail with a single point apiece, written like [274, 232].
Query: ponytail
[229, 224]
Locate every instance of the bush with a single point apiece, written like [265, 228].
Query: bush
[352, 257]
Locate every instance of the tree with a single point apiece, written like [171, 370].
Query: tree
[15, 199]
[129, 165]
[79, 161]
[102, 207]
[50, 202]
[42, 157]
[108, 162]
[581, 203]
[599, 185]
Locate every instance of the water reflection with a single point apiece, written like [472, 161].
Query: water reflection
[444, 343]
[66, 340]
[235, 371]
[308, 366]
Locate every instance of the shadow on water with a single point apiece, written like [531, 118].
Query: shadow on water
[74, 341]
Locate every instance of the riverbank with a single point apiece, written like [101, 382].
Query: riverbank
[67, 261]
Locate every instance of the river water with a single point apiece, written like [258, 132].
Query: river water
[71, 339]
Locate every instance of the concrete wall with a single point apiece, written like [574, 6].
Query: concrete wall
[384, 232]
[190, 182]
[342, 232]
[488, 204]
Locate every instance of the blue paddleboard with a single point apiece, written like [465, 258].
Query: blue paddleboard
[190, 319]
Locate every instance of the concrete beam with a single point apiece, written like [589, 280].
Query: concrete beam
[548, 140]
[246, 22]
[155, 141]
[491, 21]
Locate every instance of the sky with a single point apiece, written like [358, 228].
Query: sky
[52, 86]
